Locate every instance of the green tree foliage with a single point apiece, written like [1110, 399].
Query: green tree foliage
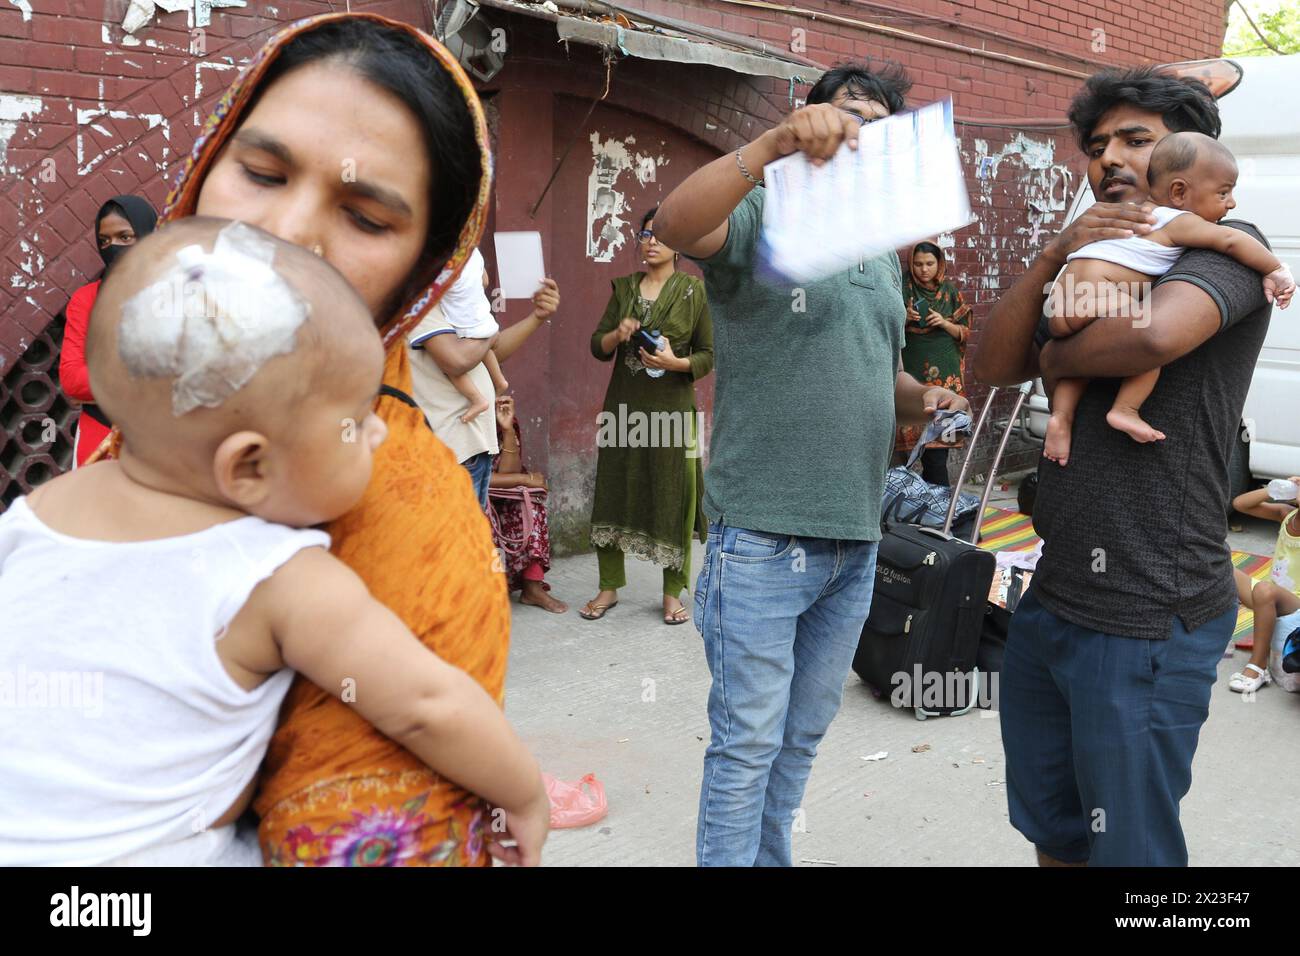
[1262, 28]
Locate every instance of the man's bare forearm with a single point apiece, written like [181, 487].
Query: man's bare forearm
[909, 400]
[1006, 354]
[1180, 317]
[707, 197]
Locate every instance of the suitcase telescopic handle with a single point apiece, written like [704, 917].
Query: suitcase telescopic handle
[1024, 390]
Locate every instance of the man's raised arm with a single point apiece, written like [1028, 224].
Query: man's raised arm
[693, 219]
[1006, 354]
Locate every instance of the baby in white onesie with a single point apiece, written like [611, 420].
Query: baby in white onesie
[1191, 176]
[155, 605]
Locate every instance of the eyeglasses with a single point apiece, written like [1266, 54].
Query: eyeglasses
[862, 120]
[645, 235]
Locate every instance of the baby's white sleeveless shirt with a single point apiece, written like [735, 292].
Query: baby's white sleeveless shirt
[120, 730]
[1137, 252]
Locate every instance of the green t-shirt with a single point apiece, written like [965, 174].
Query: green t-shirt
[803, 408]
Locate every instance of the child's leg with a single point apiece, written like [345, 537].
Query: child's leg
[1270, 603]
[477, 403]
[1126, 415]
[1056, 447]
[1245, 588]
[494, 369]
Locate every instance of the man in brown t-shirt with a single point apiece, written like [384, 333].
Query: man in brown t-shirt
[1112, 653]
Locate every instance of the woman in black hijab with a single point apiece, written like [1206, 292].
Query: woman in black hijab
[119, 224]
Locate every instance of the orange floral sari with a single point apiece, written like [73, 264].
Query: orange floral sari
[334, 790]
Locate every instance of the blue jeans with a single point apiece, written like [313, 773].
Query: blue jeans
[480, 472]
[781, 618]
[1099, 732]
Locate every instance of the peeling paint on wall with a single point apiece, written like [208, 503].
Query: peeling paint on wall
[25, 7]
[86, 118]
[606, 204]
[12, 109]
[1041, 188]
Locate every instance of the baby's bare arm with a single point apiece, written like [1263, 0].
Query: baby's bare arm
[330, 629]
[1192, 231]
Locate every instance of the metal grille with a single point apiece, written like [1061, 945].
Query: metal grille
[39, 422]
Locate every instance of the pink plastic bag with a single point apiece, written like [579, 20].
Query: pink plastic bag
[572, 805]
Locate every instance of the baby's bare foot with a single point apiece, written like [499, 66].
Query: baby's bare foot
[1128, 421]
[476, 409]
[1056, 446]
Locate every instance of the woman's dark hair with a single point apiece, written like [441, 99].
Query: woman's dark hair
[109, 208]
[396, 62]
[888, 85]
[1183, 103]
[929, 247]
[648, 216]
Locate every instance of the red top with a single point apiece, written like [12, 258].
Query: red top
[73, 375]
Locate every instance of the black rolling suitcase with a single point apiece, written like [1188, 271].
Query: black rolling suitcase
[921, 640]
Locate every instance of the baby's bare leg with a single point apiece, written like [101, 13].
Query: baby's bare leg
[1056, 447]
[1126, 415]
[477, 403]
[1091, 289]
[494, 369]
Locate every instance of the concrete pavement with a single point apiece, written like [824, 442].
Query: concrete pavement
[625, 697]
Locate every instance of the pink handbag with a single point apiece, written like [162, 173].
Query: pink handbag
[522, 493]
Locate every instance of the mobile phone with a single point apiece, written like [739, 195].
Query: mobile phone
[646, 340]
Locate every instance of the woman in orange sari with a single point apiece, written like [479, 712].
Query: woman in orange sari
[361, 138]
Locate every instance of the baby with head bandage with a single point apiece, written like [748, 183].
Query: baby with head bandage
[243, 373]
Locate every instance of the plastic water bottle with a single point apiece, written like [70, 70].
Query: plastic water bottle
[1279, 489]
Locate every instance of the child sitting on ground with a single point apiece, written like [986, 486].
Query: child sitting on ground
[1191, 177]
[243, 373]
[1276, 597]
[469, 312]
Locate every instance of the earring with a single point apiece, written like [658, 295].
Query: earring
[318, 250]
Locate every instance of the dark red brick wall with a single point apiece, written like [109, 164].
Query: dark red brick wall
[61, 57]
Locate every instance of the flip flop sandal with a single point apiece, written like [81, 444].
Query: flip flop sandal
[1239, 683]
[672, 618]
[594, 612]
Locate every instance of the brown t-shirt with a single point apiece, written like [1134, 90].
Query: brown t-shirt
[1133, 534]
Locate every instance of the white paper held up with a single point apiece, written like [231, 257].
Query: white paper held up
[903, 184]
[519, 263]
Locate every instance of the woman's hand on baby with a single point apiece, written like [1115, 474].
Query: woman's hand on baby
[528, 828]
[627, 328]
[1103, 220]
[1279, 286]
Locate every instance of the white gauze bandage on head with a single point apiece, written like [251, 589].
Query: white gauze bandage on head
[212, 321]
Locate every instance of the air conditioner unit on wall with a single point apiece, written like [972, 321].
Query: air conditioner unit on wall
[471, 38]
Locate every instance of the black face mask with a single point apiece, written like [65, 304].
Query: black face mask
[111, 254]
[137, 212]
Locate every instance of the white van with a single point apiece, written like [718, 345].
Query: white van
[1262, 128]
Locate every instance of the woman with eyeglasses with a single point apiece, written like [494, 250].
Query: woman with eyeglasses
[649, 479]
[119, 224]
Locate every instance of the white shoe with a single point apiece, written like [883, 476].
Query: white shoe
[1239, 683]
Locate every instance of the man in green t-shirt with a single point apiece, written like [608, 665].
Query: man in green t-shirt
[809, 385]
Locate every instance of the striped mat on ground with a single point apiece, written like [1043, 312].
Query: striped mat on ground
[1004, 530]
